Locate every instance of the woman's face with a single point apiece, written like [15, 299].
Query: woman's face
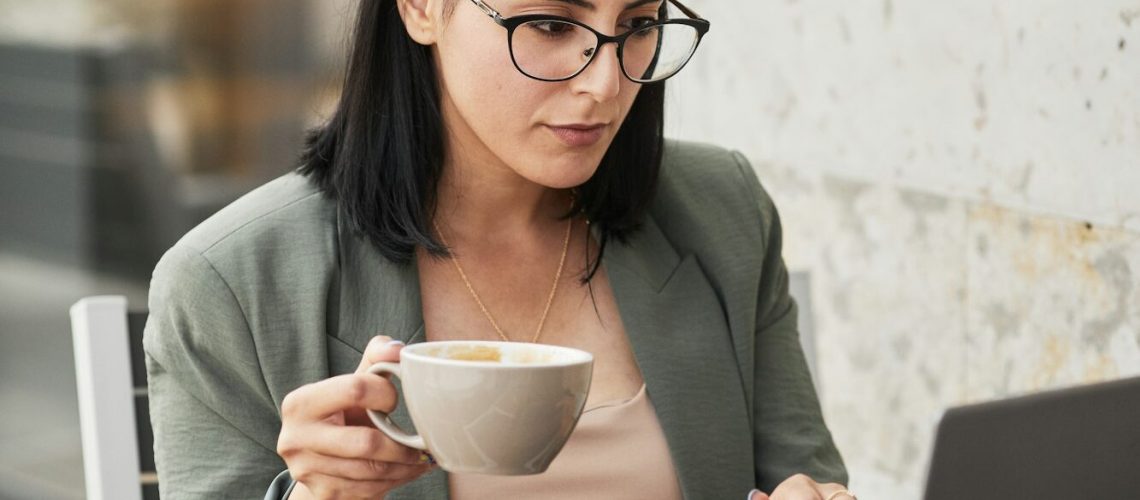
[498, 118]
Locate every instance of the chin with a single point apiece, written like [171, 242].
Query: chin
[571, 171]
[563, 181]
[564, 178]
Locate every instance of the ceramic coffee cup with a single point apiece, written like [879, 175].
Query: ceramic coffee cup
[489, 407]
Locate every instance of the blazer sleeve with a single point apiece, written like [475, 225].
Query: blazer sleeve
[789, 435]
[215, 424]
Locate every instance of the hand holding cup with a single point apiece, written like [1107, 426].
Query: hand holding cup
[330, 446]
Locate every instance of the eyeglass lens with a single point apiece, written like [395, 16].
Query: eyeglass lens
[555, 50]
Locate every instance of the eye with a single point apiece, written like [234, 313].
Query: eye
[638, 23]
[551, 29]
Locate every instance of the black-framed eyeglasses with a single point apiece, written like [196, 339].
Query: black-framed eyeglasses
[555, 49]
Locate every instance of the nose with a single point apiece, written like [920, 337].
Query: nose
[603, 77]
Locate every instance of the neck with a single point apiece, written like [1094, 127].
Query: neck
[482, 198]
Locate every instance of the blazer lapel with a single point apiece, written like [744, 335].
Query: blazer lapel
[376, 296]
[681, 342]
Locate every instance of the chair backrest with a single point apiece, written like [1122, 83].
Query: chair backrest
[118, 457]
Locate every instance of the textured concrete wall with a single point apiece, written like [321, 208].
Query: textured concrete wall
[960, 180]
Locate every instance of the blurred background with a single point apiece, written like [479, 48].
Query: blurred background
[957, 182]
[123, 123]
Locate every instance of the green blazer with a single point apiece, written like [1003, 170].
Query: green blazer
[275, 291]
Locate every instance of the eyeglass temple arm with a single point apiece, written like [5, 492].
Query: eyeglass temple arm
[688, 12]
[487, 9]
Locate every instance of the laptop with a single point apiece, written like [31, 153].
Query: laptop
[1077, 443]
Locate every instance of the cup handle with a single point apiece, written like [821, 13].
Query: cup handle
[381, 419]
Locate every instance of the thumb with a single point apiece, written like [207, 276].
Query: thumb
[380, 348]
[758, 495]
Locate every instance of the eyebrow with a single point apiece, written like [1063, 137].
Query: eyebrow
[590, 6]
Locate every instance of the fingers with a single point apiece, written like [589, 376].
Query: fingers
[365, 443]
[314, 484]
[303, 429]
[332, 458]
[797, 487]
[319, 400]
[356, 469]
[325, 486]
[834, 491]
[380, 348]
[802, 487]
[758, 495]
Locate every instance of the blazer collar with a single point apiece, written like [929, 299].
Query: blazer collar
[648, 257]
[376, 296]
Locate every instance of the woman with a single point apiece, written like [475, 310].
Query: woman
[492, 172]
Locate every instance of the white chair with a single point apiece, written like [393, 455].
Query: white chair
[105, 336]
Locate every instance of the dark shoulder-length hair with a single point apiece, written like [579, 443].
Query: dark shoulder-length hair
[380, 155]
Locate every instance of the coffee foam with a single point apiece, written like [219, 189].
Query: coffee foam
[474, 353]
[492, 354]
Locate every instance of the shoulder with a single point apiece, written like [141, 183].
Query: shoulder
[234, 304]
[281, 208]
[709, 193]
[285, 227]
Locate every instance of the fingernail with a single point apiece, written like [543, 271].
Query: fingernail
[395, 343]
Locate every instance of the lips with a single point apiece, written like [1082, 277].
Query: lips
[578, 134]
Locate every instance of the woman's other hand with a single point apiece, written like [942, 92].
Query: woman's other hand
[802, 487]
[331, 447]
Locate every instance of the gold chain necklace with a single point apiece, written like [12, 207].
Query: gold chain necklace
[549, 299]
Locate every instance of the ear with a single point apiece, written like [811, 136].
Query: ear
[420, 19]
